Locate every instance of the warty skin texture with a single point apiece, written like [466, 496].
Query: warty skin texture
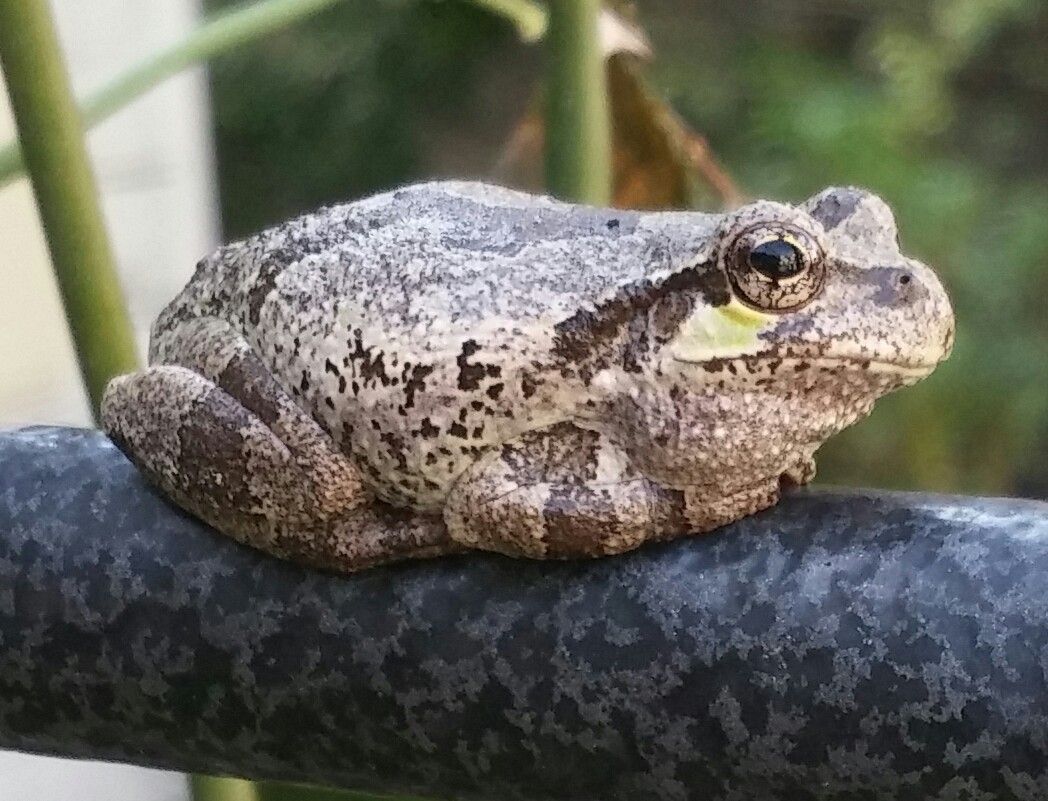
[500, 371]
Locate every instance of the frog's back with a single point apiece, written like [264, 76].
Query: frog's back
[420, 315]
[447, 256]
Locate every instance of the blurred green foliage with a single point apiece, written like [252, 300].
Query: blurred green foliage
[341, 104]
[941, 106]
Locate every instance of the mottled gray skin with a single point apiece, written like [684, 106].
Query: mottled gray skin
[455, 365]
[844, 646]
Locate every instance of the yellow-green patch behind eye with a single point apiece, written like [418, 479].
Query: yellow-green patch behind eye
[742, 315]
[713, 332]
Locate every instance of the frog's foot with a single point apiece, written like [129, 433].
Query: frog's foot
[800, 474]
[368, 536]
[566, 492]
[220, 461]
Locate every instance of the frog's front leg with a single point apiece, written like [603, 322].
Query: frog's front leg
[800, 474]
[565, 492]
[219, 436]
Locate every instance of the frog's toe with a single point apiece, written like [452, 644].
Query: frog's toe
[799, 474]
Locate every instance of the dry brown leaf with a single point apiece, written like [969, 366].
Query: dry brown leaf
[657, 158]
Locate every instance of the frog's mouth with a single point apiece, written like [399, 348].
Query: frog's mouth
[745, 341]
[915, 370]
[777, 367]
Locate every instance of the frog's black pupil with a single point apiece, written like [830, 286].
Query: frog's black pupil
[776, 258]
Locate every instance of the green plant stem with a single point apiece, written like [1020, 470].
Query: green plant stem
[277, 791]
[213, 788]
[216, 35]
[66, 196]
[528, 16]
[223, 32]
[578, 128]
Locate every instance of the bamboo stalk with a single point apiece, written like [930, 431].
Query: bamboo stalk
[66, 195]
[278, 791]
[528, 16]
[578, 151]
[213, 788]
[218, 34]
[224, 32]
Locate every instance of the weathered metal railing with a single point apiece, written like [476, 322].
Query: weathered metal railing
[845, 645]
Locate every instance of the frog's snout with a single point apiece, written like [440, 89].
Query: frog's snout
[934, 324]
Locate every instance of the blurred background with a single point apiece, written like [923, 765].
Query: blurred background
[940, 106]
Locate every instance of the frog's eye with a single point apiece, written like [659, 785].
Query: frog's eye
[777, 259]
[775, 268]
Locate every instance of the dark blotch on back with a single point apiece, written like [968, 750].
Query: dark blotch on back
[415, 382]
[528, 386]
[296, 247]
[368, 364]
[264, 284]
[470, 375]
[587, 332]
[395, 448]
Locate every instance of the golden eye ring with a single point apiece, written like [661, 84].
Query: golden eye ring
[775, 267]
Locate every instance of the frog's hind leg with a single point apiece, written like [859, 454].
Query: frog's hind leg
[217, 352]
[219, 461]
[565, 492]
[255, 466]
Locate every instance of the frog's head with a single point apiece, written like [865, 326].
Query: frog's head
[804, 317]
[820, 289]
[780, 329]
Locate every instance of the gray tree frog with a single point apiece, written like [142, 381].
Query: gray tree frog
[455, 366]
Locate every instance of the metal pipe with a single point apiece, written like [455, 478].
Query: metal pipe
[845, 645]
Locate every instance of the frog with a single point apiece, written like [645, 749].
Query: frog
[455, 366]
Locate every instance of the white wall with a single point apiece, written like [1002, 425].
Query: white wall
[33, 778]
[154, 165]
